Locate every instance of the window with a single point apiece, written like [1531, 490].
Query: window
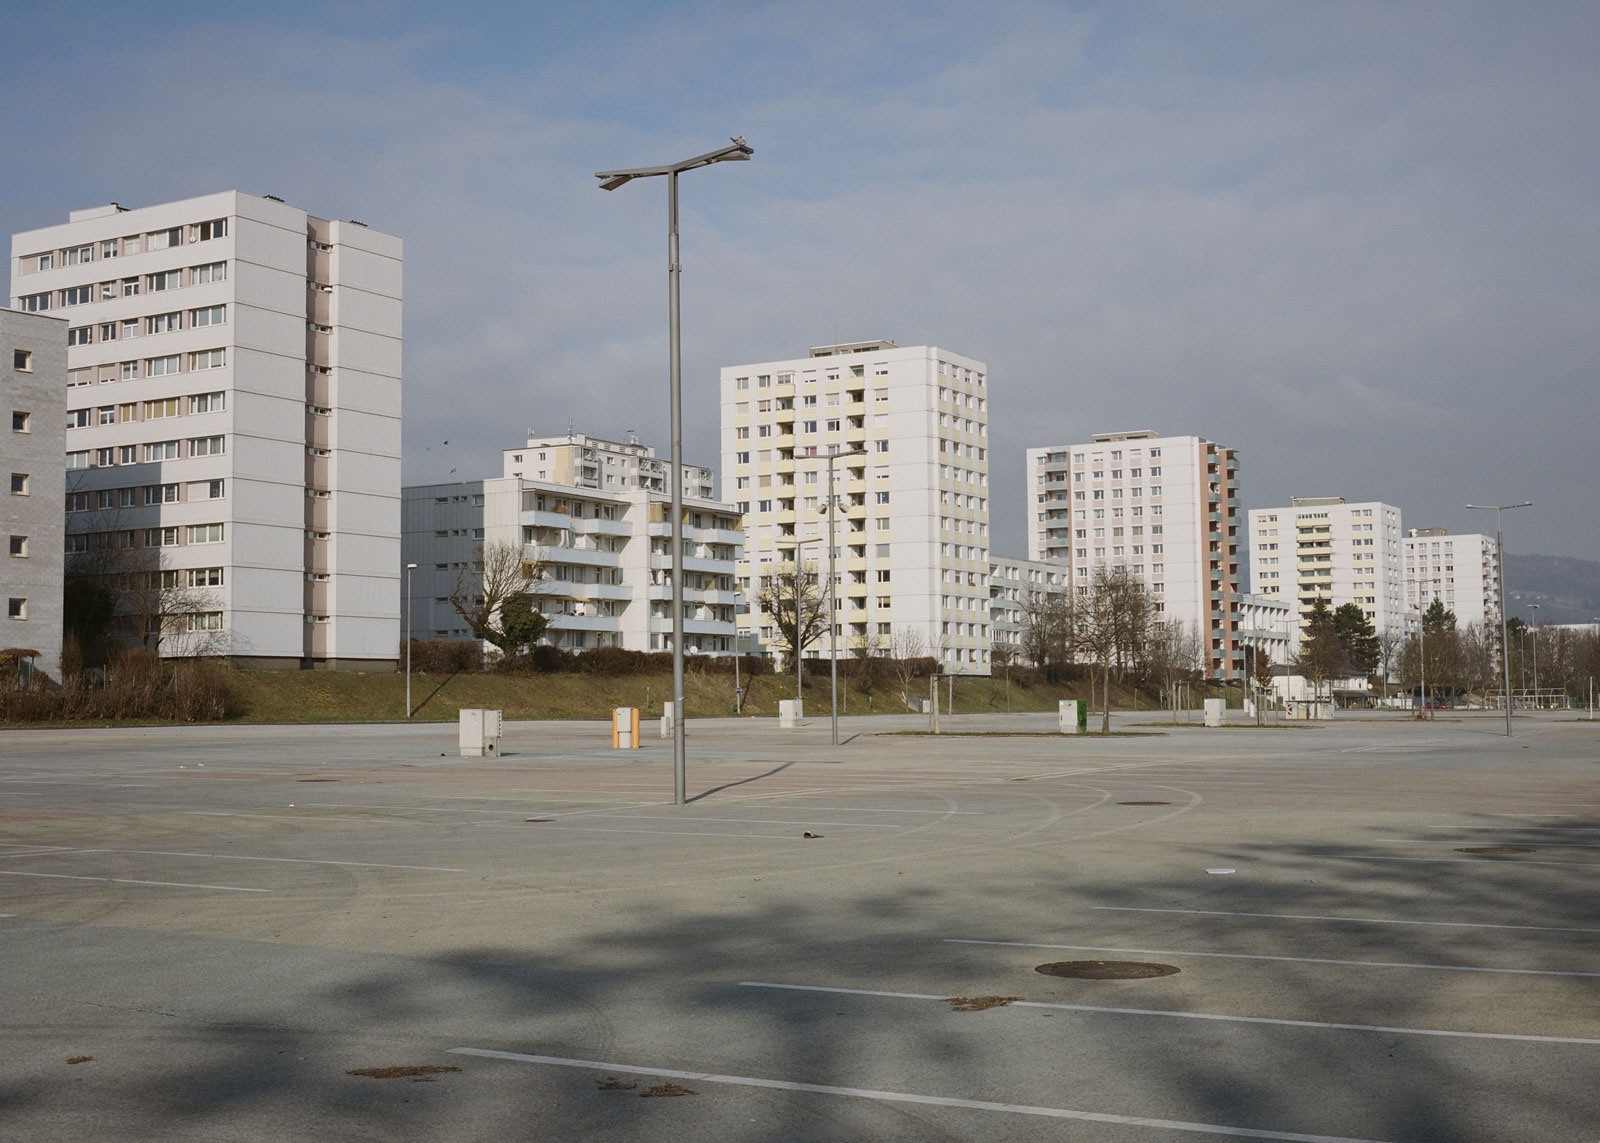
[128, 454]
[207, 359]
[164, 323]
[105, 457]
[19, 546]
[16, 608]
[161, 450]
[77, 256]
[166, 280]
[205, 533]
[108, 331]
[47, 261]
[83, 335]
[33, 303]
[78, 419]
[77, 295]
[161, 494]
[19, 421]
[160, 537]
[881, 497]
[205, 231]
[210, 315]
[204, 577]
[210, 272]
[207, 446]
[155, 410]
[207, 403]
[78, 459]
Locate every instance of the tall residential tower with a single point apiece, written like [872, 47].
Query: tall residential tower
[233, 412]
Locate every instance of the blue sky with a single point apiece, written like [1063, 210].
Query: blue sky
[1359, 242]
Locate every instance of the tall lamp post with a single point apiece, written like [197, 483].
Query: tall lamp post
[1505, 639]
[409, 569]
[611, 180]
[1534, 607]
[798, 646]
[833, 597]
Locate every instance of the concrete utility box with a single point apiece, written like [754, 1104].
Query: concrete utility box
[625, 728]
[669, 718]
[790, 712]
[1073, 715]
[1216, 712]
[480, 733]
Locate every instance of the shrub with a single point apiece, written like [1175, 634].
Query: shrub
[444, 656]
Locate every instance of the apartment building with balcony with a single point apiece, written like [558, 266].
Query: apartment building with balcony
[233, 406]
[581, 461]
[1324, 548]
[1460, 570]
[35, 393]
[909, 426]
[1021, 593]
[601, 561]
[1166, 509]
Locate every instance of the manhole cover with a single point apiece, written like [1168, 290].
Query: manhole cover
[1144, 803]
[1495, 850]
[1106, 969]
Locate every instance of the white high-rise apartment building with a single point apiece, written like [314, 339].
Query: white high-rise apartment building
[233, 411]
[1164, 507]
[912, 526]
[1323, 548]
[1462, 570]
[581, 461]
[34, 387]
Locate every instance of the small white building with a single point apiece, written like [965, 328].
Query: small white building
[581, 461]
[1019, 591]
[602, 560]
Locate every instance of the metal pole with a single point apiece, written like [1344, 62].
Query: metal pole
[799, 600]
[833, 613]
[737, 689]
[674, 270]
[409, 569]
[1535, 608]
[1422, 664]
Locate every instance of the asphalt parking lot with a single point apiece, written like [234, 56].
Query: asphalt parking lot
[1380, 930]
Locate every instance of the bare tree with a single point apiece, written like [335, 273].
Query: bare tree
[906, 648]
[1113, 622]
[1047, 632]
[793, 597]
[121, 592]
[495, 596]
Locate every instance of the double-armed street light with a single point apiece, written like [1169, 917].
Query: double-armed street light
[737, 151]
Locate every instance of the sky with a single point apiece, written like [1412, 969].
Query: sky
[1359, 242]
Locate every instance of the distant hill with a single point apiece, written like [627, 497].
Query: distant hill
[1567, 590]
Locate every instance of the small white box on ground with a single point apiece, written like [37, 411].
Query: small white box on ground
[1073, 715]
[790, 712]
[480, 732]
[625, 727]
[669, 718]
[1216, 711]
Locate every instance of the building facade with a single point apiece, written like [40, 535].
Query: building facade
[600, 560]
[911, 550]
[1461, 570]
[1166, 508]
[233, 410]
[1323, 548]
[1020, 593]
[580, 461]
[35, 384]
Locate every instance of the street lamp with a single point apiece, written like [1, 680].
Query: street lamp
[1535, 608]
[1505, 639]
[409, 569]
[833, 596]
[611, 180]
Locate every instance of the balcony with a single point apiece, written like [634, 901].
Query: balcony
[562, 622]
[541, 553]
[595, 527]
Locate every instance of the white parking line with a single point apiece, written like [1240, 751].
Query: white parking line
[132, 881]
[294, 860]
[1450, 860]
[554, 827]
[1217, 1016]
[1293, 959]
[911, 1097]
[1360, 920]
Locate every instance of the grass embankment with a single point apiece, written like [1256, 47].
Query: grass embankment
[336, 696]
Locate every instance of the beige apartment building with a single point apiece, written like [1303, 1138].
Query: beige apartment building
[909, 426]
[233, 410]
[1324, 548]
